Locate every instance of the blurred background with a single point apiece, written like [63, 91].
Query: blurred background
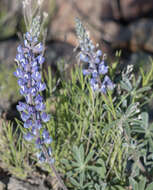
[125, 25]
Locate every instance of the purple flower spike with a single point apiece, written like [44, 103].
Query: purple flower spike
[90, 54]
[29, 58]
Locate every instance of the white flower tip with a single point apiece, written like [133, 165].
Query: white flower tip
[45, 14]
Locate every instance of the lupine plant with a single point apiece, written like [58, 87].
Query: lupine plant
[29, 60]
[98, 135]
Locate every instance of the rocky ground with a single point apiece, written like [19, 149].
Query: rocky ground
[117, 24]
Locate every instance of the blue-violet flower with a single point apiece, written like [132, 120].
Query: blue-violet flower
[97, 66]
[29, 59]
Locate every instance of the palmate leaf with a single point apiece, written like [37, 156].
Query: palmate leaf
[89, 156]
[101, 171]
[78, 154]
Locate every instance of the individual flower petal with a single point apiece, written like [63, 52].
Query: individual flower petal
[41, 86]
[40, 106]
[34, 69]
[99, 53]
[40, 59]
[28, 123]
[94, 84]
[38, 99]
[20, 49]
[108, 83]
[33, 91]
[84, 58]
[21, 107]
[23, 90]
[46, 137]
[102, 69]
[36, 75]
[37, 124]
[94, 74]
[21, 82]
[26, 44]
[28, 136]
[25, 116]
[41, 157]
[103, 89]
[38, 48]
[97, 60]
[28, 36]
[19, 57]
[45, 117]
[86, 72]
[18, 73]
[34, 63]
[39, 143]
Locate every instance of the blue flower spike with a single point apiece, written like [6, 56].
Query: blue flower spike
[94, 59]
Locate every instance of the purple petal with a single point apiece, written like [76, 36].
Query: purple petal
[36, 76]
[94, 74]
[40, 106]
[37, 124]
[28, 36]
[19, 49]
[28, 124]
[86, 72]
[38, 99]
[99, 53]
[84, 58]
[38, 48]
[21, 107]
[40, 59]
[25, 116]
[45, 117]
[28, 136]
[97, 60]
[41, 86]
[18, 73]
